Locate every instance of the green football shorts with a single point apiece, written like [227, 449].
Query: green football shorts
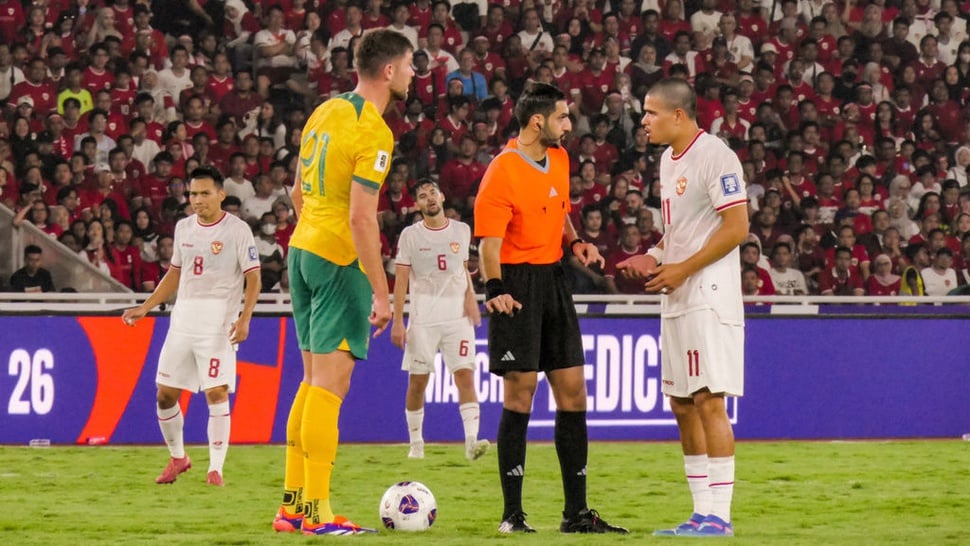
[331, 304]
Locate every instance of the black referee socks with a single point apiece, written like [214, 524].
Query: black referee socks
[512, 429]
[572, 446]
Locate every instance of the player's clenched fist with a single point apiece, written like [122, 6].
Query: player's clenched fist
[130, 316]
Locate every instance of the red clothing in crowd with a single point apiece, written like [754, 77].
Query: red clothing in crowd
[12, 19]
[94, 81]
[127, 266]
[840, 285]
[458, 178]
[42, 94]
[217, 87]
[623, 284]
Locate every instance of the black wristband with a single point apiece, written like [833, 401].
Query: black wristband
[572, 244]
[494, 288]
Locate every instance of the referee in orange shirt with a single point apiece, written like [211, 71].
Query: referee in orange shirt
[521, 214]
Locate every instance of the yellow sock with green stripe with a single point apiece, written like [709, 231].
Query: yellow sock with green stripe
[320, 436]
[293, 477]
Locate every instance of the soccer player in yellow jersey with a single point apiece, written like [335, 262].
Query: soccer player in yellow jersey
[337, 281]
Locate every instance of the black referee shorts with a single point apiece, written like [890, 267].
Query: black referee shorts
[544, 334]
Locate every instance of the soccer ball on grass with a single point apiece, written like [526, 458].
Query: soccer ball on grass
[408, 506]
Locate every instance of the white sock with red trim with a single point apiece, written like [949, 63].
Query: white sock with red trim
[219, 425]
[170, 422]
[721, 471]
[695, 466]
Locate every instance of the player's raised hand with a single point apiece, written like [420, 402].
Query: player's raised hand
[588, 253]
[380, 315]
[239, 331]
[503, 304]
[130, 316]
[638, 267]
[399, 335]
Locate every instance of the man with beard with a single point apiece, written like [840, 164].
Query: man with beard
[432, 259]
[336, 270]
[521, 214]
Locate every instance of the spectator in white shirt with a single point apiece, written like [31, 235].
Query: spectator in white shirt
[940, 278]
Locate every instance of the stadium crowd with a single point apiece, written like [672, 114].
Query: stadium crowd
[851, 119]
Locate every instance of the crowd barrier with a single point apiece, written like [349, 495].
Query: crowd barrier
[843, 372]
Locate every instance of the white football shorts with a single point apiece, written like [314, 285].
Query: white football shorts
[455, 340]
[697, 351]
[196, 363]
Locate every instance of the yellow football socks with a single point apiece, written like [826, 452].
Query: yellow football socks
[319, 435]
[293, 477]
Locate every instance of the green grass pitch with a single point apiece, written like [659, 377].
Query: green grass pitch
[827, 493]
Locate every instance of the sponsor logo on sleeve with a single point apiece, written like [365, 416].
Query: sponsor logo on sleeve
[380, 165]
[730, 185]
[253, 255]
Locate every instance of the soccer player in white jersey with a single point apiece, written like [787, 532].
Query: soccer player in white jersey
[696, 267]
[214, 253]
[432, 260]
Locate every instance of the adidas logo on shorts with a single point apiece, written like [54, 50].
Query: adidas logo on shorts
[508, 357]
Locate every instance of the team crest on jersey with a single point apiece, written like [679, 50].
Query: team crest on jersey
[455, 247]
[681, 185]
[216, 247]
[730, 184]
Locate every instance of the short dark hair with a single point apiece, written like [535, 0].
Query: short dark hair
[589, 209]
[913, 249]
[676, 93]
[231, 201]
[96, 112]
[779, 245]
[538, 98]
[377, 48]
[208, 171]
[421, 183]
[31, 249]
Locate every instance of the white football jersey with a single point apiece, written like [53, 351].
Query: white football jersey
[213, 260]
[695, 186]
[438, 279]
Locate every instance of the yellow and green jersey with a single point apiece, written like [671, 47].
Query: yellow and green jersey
[83, 96]
[345, 141]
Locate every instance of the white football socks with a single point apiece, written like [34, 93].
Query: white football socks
[721, 470]
[170, 422]
[696, 468]
[219, 426]
[415, 421]
[470, 421]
